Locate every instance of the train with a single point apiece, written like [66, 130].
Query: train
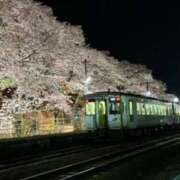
[109, 111]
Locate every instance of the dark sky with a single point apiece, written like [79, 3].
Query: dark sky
[146, 32]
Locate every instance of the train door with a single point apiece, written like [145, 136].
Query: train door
[101, 114]
[90, 116]
[115, 120]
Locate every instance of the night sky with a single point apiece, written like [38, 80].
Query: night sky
[146, 32]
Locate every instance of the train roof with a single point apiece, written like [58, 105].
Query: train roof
[106, 93]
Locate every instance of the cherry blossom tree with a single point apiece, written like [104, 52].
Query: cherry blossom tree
[45, 59]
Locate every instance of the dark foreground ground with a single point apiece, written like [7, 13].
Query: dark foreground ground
[161, 164]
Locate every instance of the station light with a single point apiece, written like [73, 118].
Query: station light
[176, 100]
[148, 93]
[88, 80]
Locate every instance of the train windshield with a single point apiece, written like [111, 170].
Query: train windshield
[114, 107]
[90, 108]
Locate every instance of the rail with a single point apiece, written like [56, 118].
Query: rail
[84, 167]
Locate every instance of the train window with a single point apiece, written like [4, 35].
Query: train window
[148, 109]
[154, 109]
[90, 108]
[165, 113]
[147, 106]
[169, 109]
[151, 110]
[141, 109]
[162, 107]
[130, 108]
[178, 110]
[114, 107]
[102, 107]
[164, 110]
[138, 109]
[158, 110]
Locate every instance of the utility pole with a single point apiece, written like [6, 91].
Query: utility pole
[85, 81]
[85, 67]
[147, 86]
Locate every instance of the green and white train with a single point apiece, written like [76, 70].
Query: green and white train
[115, 110]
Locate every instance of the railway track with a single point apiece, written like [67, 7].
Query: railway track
[7, 169]
[25, 160]
[49, 155]
[83, 168]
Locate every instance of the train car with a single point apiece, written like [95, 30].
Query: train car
[121, 111]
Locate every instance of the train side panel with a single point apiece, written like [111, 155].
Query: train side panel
[148, 113]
